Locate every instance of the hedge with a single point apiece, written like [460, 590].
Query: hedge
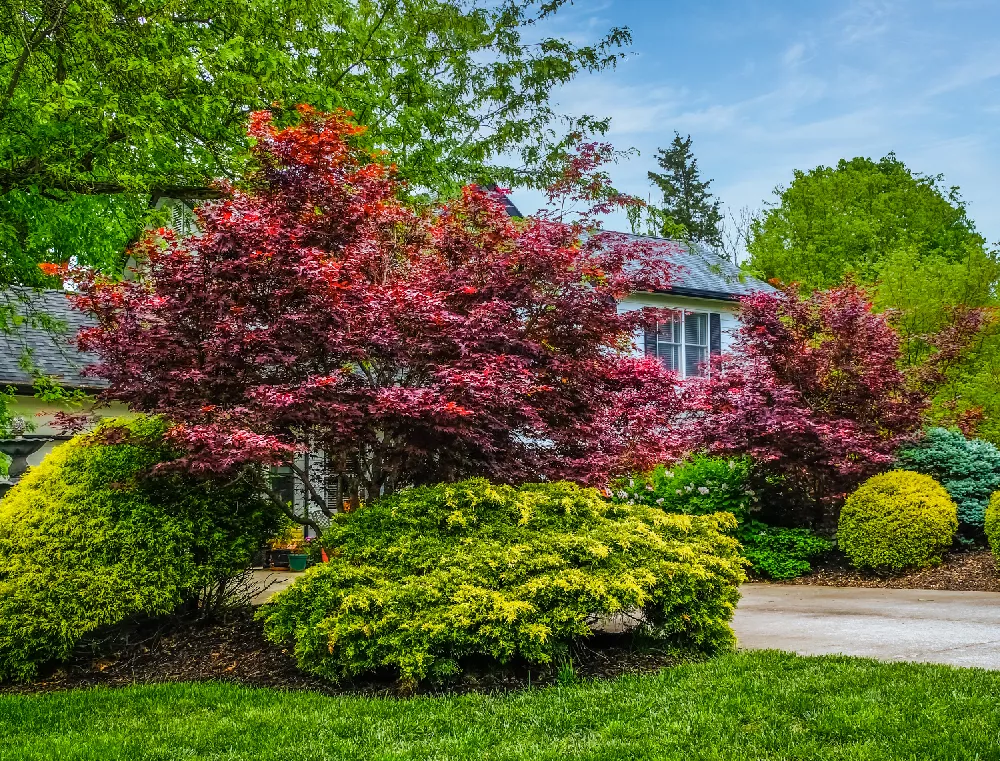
[89, 540]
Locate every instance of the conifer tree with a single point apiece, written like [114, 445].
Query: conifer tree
[687, 200]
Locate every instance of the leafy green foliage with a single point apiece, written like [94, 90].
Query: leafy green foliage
[704, 485]
[992, 523]
[700, 485]
[897, 520]
[831, 221]
[419, 580]
[778, 552]
[107, 106]
[969, 469]
[909, 240]
[87, 541]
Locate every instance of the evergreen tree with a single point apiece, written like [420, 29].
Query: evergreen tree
[687, 200]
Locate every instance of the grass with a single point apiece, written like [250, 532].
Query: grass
[757, 705]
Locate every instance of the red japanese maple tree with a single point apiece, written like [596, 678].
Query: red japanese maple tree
[813, 391]
[317, 310]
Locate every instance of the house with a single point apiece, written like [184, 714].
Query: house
[703, 299]
[41, 344]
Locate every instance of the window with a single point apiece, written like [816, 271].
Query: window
[685, 341]
[695, 343]
[666, 342]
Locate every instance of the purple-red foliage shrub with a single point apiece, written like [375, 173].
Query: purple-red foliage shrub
[316, 309]
[813, 391]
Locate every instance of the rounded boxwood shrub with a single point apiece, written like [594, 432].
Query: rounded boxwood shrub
[992, 523]
[88, 540]
[897, 520]
[969, 469]
[419, 580]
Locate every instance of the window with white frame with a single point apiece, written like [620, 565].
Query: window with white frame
[685, 340]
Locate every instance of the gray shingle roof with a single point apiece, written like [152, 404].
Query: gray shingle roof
[43, 340]
[705, 274]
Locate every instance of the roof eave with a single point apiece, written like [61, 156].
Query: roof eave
[26, 389]
[699, 293]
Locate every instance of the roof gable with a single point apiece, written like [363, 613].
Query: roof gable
[704, 274]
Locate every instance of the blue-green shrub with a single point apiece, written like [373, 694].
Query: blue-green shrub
[88, 541]
[419, 580]
[968, 469]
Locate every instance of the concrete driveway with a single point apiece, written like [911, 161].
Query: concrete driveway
[955, 628]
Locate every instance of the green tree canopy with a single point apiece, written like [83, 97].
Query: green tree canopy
[851, 218]
[908, 238]
[107, 105]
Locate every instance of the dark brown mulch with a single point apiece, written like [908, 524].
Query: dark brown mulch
[235, 651]
[966, 571]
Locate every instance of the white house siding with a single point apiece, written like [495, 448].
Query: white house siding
[725, 309]
[40, 414]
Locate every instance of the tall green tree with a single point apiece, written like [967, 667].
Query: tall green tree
[908, 238]
[687, 200]
[108, 105]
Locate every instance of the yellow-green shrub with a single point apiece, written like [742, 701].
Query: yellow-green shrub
[431, 575]
[88, 541]
[993, 523]
[897, 520]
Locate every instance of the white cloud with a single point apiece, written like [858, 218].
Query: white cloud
[794, 54]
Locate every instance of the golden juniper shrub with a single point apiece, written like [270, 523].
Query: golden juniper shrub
[419, 580]
[993, 523]
[87, 541]
[897, 520]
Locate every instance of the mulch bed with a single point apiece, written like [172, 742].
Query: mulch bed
[965, 571]
[234, 650]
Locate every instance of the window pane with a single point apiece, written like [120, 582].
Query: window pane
[669, 330]
[670, 356]
[695, 358]
[696, 328]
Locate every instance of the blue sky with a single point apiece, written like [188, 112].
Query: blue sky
[767, 87]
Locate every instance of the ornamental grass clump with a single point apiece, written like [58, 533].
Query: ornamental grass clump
[897, 520]
[88, 540]
[418, 581]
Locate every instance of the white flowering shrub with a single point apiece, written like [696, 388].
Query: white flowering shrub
[698, 486]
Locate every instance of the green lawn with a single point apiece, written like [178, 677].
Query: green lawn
[761, 705]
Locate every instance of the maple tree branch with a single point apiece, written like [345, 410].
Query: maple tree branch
[14, 179]
[39, 34]
[364, 48]
[313, 493]
[282, 505]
